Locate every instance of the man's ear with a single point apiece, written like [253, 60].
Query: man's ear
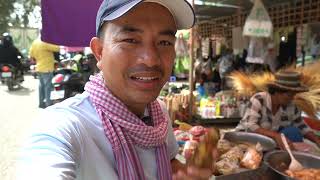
[96, 48]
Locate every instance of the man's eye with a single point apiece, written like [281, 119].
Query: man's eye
[166, 43]
[130, 40]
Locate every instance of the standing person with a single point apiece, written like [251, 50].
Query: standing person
[273, 112]
[43, 54]
[226, 66]
[117, 129]
[315, 46]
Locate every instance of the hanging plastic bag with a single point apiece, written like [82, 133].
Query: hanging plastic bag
[186, 63]
[178, 66]
[256, 51]
[258, 23]
[181, 47]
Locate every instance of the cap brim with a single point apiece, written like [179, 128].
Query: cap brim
[301, 88]
[181, 11]
[120, 11]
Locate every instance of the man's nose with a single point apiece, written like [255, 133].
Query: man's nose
[150, 55]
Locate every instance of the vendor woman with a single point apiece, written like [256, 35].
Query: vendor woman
[273, 112]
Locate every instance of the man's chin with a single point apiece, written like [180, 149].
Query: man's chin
[145, 98]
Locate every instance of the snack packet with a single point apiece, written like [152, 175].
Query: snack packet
[252, 158]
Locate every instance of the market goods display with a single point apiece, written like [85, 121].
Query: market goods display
[224, 104]
[224, 146]
[246, 139]
[279, 162]
[305, 174]
[239, 158]
[251, 159]
[204, 148]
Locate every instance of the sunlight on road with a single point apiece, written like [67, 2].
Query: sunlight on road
[19, 110]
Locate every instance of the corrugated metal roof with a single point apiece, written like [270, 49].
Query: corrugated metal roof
[207, 12]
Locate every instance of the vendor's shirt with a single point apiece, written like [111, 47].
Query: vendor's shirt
[42, 52]
[69, 143]
[259, 115]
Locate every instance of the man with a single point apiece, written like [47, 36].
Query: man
[315, 46]
[43, 54]
[226, 66]
[9, 54]
[273, 112]
[117, 129]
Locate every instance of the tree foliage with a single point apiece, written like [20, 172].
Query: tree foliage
[7, 8]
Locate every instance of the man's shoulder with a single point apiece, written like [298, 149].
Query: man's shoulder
[75, 111]
[260, 96]
[78, 104]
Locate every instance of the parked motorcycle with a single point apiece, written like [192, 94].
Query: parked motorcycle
[11, 76]
[67, 81]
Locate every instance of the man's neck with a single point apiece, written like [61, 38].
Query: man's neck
[137, 109]
[274, 104]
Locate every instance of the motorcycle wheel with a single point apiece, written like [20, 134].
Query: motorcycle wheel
[10, 85]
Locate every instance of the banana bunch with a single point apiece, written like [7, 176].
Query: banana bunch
[204, 153]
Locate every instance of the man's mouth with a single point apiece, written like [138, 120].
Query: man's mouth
[140, 78]
[146, 80]
[145, 76]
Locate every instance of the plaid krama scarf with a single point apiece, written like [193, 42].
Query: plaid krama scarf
[124, 130]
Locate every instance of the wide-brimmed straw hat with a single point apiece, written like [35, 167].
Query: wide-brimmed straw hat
[288, 81]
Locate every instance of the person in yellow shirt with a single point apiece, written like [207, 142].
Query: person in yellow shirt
[42, 53]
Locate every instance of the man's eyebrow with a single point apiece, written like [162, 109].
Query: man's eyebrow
[168, 32]
[131, 29]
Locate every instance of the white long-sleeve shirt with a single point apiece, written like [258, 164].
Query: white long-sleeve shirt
[69, 143]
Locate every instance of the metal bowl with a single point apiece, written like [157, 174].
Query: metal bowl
[267, 143]
[279, 161]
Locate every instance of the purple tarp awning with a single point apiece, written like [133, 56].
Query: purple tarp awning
[69, 22]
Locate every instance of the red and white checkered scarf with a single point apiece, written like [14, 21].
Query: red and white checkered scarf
[125, 130]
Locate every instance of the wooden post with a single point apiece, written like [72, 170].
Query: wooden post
[239, 11]
[191, 80]
[302, 12]
[301, 26]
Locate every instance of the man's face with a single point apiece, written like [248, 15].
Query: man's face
[137, 54]
[286, 97]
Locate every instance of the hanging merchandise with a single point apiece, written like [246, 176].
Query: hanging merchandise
[239, 42]
[182, 63]
[181, 69]
[256, 51]
[205, 44]
[181, 46]
[258, 23]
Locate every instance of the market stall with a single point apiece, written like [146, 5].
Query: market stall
[210, 107]
[224, 107]
[262, 36]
